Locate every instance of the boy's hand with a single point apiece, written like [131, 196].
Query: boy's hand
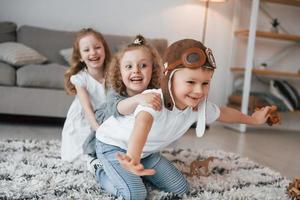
[260, 116]
[135, 168]
[151, 99]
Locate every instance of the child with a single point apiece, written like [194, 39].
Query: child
[84, 79]
[133, 69]
[185, 85]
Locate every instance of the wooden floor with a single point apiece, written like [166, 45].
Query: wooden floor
[279, 150]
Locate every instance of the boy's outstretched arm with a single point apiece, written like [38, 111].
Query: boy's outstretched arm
[141, 129]
[230, 115]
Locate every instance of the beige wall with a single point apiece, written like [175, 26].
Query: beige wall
[171, 19]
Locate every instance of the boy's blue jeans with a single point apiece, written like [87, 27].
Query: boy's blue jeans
[118, 181]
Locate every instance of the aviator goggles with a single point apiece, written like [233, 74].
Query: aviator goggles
[194, 58]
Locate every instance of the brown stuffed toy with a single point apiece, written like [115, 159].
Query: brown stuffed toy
[294, 188]
[274, 117]
[200, 167]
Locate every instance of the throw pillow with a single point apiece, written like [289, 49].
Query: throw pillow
[18, 54]
[285, 92]
[120, 46]
[294, 94]
[67, 54]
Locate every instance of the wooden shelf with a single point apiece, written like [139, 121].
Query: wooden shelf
[258, 72]
[270, 35]
[267, 72]
[287, 2]
[238, 107]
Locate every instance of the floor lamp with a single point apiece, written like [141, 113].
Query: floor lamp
[205, 16]
[205, 25]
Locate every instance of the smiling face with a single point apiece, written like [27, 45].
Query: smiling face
[190, 86]
[92, 52]
[136, 70]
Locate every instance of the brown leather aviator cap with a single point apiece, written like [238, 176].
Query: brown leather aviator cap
[186, 53]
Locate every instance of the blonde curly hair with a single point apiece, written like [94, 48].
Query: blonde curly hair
[76, 64]
[113, 77]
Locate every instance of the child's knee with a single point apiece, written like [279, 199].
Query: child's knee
[184, 189]
[181, 189]
[133, 193]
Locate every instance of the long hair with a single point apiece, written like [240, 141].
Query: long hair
[76, 64]
[113, 77]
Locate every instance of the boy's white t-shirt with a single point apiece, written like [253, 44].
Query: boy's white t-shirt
[167, 127]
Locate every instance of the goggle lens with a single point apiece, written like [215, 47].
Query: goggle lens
[194, 58]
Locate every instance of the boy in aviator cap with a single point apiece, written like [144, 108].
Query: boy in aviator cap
[189, 67]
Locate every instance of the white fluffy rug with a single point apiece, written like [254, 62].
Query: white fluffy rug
[31, 169]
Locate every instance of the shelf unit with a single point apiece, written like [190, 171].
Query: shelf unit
[268, 73]
[251, 35]
[270, 35]
[287, 2]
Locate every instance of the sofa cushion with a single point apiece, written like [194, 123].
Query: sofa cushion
[18, 54]
[42, 76]
[7, 74]
[46, 41]
[8, 32]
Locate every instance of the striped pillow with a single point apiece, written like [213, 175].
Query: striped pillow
[286, 92]
[18, 54]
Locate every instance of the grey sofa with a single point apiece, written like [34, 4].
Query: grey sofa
[37, 89]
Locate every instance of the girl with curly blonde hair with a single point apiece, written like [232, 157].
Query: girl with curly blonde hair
[114, 77]
[135, 68]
